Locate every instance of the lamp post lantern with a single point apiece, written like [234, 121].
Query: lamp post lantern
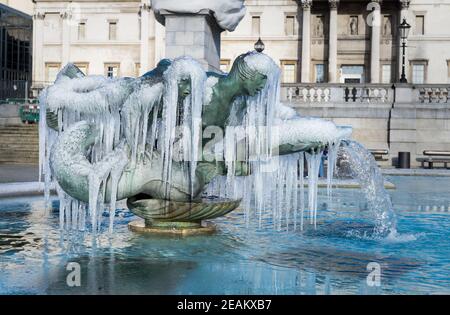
[404, 32]
[259, 46]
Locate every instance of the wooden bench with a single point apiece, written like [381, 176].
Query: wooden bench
[378, 154]
[433, 157]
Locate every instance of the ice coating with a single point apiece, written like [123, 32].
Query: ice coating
[304, 130]
[87, 94]
[183, 68]
[276, 184]
[260, 62]
[103, 125]
[285, 112]
[119, 122]
[227, 13]
[211, 81]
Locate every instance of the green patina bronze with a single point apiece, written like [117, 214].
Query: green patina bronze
[146, 178]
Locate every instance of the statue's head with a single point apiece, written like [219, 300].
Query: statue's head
[184, 87]
[252, 70]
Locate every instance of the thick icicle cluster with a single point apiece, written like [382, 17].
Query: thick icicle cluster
[187, 130]
[276, 184]
[123, 114]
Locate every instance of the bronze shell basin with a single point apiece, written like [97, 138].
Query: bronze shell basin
[176, 214]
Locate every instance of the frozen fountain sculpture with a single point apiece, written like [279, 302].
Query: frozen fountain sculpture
[180, 144]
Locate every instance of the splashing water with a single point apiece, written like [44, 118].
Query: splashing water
[364, 168]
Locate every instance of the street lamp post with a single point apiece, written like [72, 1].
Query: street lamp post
[404, 31]
[259, 46]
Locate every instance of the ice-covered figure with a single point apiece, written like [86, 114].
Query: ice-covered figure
[137, 138]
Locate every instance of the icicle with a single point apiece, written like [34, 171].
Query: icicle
[182, 68]
[314, 161]
[301, 162]
[94, 188]
[332, 159]
[116, 173]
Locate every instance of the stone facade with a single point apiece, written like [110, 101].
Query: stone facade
[331, 41]
[102, 37]
[312, 40]
[351, 38]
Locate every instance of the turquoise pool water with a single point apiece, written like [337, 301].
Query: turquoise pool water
[240, 258]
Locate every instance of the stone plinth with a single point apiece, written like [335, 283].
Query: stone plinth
[195, 35]
[140, 227]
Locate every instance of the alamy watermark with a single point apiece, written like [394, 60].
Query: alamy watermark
[373, 279]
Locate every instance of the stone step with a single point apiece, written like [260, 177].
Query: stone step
[19, 155]
[20, 148]
[19, 144]
[19, 162]
[13, 140]
[19, 131]
[19, 127]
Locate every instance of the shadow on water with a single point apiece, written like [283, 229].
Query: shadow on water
[121, 275]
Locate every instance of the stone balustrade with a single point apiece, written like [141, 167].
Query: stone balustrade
[394, 117]
[435, 94]
[307, 93]
[337, 93]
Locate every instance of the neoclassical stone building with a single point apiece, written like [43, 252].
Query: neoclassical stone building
[334, 41]
[340, 41]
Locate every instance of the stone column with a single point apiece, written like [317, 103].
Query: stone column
[160, 45]
[306, 40]
[332, 42]
[375, 41]
[38, 48]
[404, 7]
[196, 35]
[65, 49]
[144, 51]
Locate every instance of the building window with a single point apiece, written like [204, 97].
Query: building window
[112, 70]
[51, 72]
[386, 74]
[256, 25]
[418, 73]
[289, 25]
[352, 74]
[83, 66]
[81, 30]
[320, 73]
[225, 66]
[420, 25]
[112, 30]
[289, 71]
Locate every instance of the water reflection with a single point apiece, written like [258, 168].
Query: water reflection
[240, 259]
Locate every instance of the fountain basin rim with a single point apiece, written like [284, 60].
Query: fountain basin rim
[20, 189]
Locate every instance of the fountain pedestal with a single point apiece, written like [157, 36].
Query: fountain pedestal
[196, 35]
[141, 226]
[178, 218]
